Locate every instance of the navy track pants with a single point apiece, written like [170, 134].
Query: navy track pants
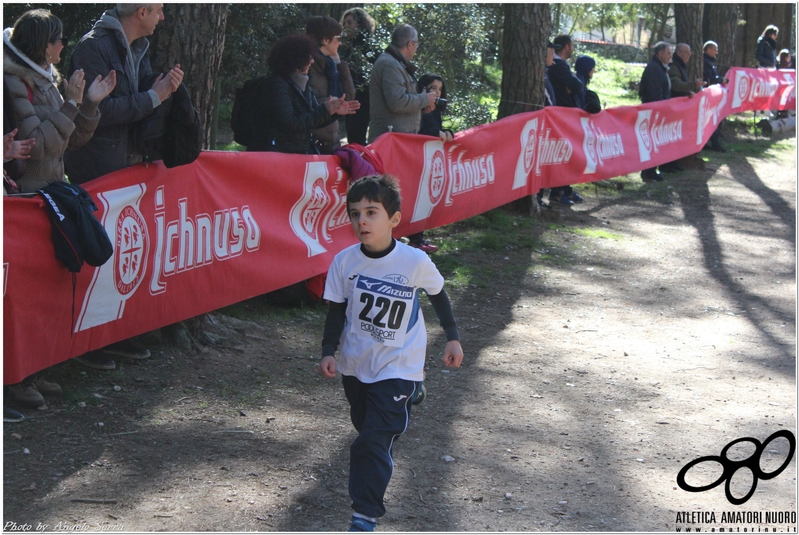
[380, 413]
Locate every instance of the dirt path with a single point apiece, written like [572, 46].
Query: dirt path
[644, 330]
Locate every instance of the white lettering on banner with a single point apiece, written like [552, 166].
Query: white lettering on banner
[790, 88]
[552, 151]
[524, 164]
[192, 242]
[316, 209]
[748, 88]
[115, 281]
[652, 134]
[599, 146]
[432, 182]
[468, 175]
[5, 278]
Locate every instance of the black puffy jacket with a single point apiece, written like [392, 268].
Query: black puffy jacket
[285, 117]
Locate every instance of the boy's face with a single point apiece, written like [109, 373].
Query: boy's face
[372, 225]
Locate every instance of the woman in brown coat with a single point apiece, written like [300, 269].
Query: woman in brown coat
[30, 52]
[328, 76]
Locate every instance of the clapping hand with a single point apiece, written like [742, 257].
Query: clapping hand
[73, 88]
[17, 149]
[337, 105]
[102, 87]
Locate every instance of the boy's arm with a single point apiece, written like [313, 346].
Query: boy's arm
[334, 326]
[453, 353]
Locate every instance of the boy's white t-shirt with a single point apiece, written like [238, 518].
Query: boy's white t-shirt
[384, 333]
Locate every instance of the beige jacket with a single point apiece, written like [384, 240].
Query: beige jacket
[56, 125]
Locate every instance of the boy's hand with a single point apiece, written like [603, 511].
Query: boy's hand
[327, 367]
[453, 354]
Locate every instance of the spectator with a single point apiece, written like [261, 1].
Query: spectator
[359, 53]
[119, 41]
[549, 100]
[431, 125]
[47, 123]
[289, 109]
[31, 51]
[711, 76]
[785, 59]
[568, 91]
[656, 86]
[396, 104]
[328, 76]
[681, 86]
[766, 51]
[584, 67]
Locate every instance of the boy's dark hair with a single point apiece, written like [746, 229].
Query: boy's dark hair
[321, 28]
[562, 40]
[377, 188]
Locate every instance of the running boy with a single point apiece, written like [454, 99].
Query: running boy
[373, 289]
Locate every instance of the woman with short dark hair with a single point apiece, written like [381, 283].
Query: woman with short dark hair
[328, 76]
[288, 109]
[31, 50]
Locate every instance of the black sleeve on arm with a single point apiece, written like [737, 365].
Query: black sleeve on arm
[334, 326]
[443, 309]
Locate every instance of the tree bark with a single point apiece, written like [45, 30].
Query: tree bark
[524, 48]
[193, 35]
[719, 23]
[688, 27]
[755, 18]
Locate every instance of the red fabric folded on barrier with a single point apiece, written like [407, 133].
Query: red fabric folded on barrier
[231, 226]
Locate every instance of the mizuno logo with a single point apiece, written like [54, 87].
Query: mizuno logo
[370, 284]
[400, 398]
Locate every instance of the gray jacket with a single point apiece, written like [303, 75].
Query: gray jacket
[105, 48]
[394, 98]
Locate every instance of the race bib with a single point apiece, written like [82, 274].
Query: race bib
[381, 310]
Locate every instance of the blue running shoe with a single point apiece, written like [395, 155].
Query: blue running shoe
[361, 524]
[575, 197]
[419, 393]
[562, 199]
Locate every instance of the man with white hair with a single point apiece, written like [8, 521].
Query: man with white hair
[681, 86]
[395, 102]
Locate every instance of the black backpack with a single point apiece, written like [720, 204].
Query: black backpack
[78, 236]
[243, 116]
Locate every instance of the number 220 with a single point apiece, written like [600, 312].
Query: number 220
[395, 311]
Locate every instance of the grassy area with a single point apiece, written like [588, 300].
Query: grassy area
[616, 82]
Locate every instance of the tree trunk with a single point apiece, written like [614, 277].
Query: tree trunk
[193, 35]
[524, 49]
[719, 23]
[755, 18]
[688, 28]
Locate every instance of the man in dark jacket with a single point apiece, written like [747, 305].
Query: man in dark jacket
[568, 90]
[681, 86]
[656, 86]
[118, 41]
[711, 76]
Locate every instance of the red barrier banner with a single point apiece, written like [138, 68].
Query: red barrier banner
[232, 226]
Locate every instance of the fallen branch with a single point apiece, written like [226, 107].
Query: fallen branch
[93, 500]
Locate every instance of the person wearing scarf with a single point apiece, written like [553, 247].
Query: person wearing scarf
[766, 52]
[328, 76]
[584, 68]
[396, 104]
